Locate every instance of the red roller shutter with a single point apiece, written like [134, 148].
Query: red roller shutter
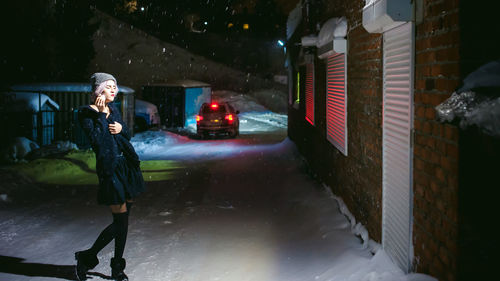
[310, 93]
[336, 102]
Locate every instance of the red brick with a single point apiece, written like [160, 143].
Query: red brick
[448, 54]
[447, 163]
[440, 205]
[427, 127]
[446, 85]
[420, 111]
[441, 147]
[451, 5]
[451, 19]
[452, 245]
[443, 256]
[435, 187]
[429, 197]
[451, 133]
[437, 268]
[452, 150]
[420, 139]
[424, 43]
[420, 190]
[432, 245]
[437, 130]
[452, 183]
[434, 8]
[425, 57]
[418, 125]
[448, 39]
[420, 84]
[430, 113]
[437, 99]
[421, 177]
[418, 151]
[431, 143]
[439, 174]
[428, 168]
[425, 98]
[434, 159]
[449, 70]
[423, 70]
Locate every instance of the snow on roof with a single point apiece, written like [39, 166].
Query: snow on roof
[183, 83]
[293, 20]
[332, 28]
[63, 87]
[27, 101]
[145, 107]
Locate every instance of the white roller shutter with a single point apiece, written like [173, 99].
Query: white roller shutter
[397, 145]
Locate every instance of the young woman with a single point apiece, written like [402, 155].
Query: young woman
[118, 171]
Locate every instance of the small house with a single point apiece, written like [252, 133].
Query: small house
[30, 115]
[69, 97]
[178, 102]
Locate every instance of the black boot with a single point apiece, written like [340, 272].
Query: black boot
[117, 267]
[84, 261]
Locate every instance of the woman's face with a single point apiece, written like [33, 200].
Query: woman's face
[110, 91]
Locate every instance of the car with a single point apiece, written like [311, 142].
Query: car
[217, 118]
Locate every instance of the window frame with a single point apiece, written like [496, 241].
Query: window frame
[336, 94]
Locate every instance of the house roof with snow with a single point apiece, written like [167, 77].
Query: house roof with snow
[63, 87]
[145, 107]
[186, 83]
[26, 101]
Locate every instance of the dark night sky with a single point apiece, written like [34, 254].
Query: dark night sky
[40, 31]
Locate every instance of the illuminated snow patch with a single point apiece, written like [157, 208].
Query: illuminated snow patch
[167, 145]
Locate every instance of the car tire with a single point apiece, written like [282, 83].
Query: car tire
[200, 134]
[233, 133]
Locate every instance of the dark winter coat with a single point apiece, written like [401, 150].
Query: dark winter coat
[108, 147]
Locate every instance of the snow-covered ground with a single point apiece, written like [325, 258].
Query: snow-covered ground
[239, 209]
[256, 216]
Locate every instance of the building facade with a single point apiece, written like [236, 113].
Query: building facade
[364, 80]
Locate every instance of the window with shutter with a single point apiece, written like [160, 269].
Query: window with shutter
[310, 93]
[396, 144]
[336, 102]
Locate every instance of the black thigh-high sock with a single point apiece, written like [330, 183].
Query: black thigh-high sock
[103, 239]
[121, 224]
[108, 234]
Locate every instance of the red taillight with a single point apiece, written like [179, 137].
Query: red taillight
[198, 119]
[214, 106]
[229, 118]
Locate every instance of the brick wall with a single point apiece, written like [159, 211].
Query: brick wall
[362, 194]
[436, 147]
[437, 74]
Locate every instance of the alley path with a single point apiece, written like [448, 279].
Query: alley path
[251, 215]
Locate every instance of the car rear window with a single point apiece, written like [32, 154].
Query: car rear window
[208, 109]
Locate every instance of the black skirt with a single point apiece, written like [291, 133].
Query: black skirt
[125, 183]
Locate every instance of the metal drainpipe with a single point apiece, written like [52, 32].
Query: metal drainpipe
[310, 21]
[307, 11]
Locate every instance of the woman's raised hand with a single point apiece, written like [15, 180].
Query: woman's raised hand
[100, 102]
